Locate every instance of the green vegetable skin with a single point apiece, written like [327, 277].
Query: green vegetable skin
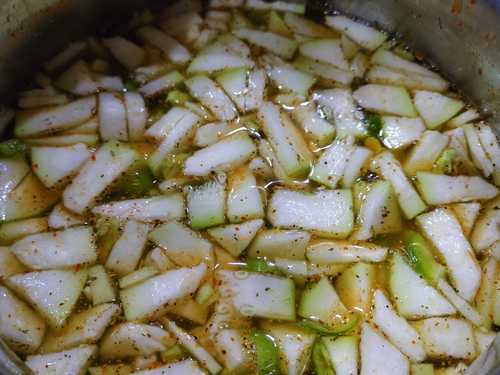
[341, 328]
[320, 360]
[260, 265]
[266, 354]
[374, 122]
[12, 147]
[421, 257]
[444, 164]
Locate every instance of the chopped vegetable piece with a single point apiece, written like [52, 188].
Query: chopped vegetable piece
[267, 356]
[325, 212]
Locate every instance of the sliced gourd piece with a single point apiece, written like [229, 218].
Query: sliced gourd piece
[107, 164]
[64, 140]
[226, 154]
[295, 347]
[321, 302]
[435, 109]
[176, 139]
[182, 245]
[287, 142]
[85, 327]
[486, 232]
[159, 208]
[212, 132]
[13, 171]
[246, 88]
[53, 293]
[54, 165]
[71, 52]
[161, 84]
[465, 117]
[355, 286]
[211, 96]
[397, 329]
[230, 344]
[421, 258]
[132, 339]
[9, 264]
[235, 238]
[137, 276]
[379, 356]
[343, 353]
[127, 53]
[442, 189]
[445, 233]
[230, 44]
[196, 350]
[425, 152]
[61, 218]
[359, 65]
[325, 50]
[477, 152]
[467, 214]
[32, 123]
[329, 168]
[259, 295]
[29, 198]
[158, 259]
[20, 327]
[399, 132]
[306, 27]
[338, 105]
[15, 230]
[147, 299]
[275, 243]
[447, 338]
[137, 115]
[176, 116]
[99, 288]
[70, 362]
[496, 306]
[77, 79]
[328, 252]
[316, 127]
[467, 311]
[206, 203]
[208, 62]
[112, 117]
[127, 250]
[411, 81]
[329, 75]
[389, 167]
[366, 36]
[65, 248]
[413, 296]
[244, 201]
[491, 147]
[185, 367]
[267, 153]
[277, 44]
[172, 49]
[349, 47]
[355, 165]
[379, 212]
[325, 212]
[285, 77]
[277, 25]
[383, 99]
[391, 60]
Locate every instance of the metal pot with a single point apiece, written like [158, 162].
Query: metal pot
[462, 37]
